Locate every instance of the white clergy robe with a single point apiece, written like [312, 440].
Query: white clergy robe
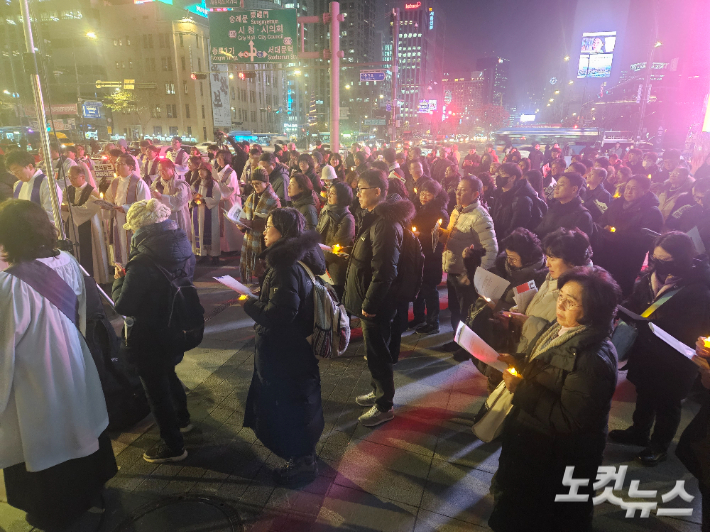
[24, 190]
[52, 407]
[120, 193]
[176, 194]
[229, 187]
[85, 229]
[205, 220]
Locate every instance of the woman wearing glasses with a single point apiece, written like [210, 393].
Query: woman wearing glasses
[284, 402]
[561, 397]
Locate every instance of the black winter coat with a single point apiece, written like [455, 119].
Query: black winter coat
[569, 215]
[305, 203]
[317, 186]
[513, 208]
[144, 292]
[653, 366]
[284, 402]
[597, 201]
[559, 418]
[622, 252]
[438, 169]
[425, 221]
[336, 225]
[372, 268]
[536, 271]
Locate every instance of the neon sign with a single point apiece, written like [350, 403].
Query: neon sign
[413, 6]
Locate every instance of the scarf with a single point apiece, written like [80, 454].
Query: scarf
[555, 336]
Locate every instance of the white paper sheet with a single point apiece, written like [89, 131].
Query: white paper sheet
[489, 285]
[671, 341]
[326, 248]
[523, 295]
[694, 235]
[235, 221]
[472, 343]
[231, 282]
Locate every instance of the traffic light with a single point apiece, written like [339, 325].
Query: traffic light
[247, 75]
[198, 75]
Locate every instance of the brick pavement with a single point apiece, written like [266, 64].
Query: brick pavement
[423, 471]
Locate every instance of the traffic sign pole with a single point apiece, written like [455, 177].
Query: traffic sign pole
[395, 60]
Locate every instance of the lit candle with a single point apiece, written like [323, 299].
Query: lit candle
[414, 229]
[101, 195]
[336, 248]
[706, 342]
[242, 297]
[612, 229]
[439, 221]
[512, 371]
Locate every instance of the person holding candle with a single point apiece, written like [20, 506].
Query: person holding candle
[284, 402]
[431, 215]
[561, 396]
[206, 195]
[622, 251]
[674, 294]
[336, 227]
[172, 190]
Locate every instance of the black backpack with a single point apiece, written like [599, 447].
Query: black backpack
[186, 316]
[410, 267]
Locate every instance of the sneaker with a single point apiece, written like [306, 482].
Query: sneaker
[651, 457]
[162, 453]
[187, 428]
[366, 400]
[428, 328]
[628, 436]
[374, 417]
[301, 470]
[416, 322]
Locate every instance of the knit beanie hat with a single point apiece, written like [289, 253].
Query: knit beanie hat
[259, 174]
[145, 213]
[328, 173]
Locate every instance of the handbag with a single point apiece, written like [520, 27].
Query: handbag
[497, 407]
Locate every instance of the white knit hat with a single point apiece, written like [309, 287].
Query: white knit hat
[145, 213]
[328, 173]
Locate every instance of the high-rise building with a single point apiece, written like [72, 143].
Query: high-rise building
[495, 72]
[420, 54]
[464, 93]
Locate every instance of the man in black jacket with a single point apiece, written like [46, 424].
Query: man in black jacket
[370, 289]
[278, 175]
[597, 199]
[566, 210]
[536, 157]
[515, 204]
[241, 155]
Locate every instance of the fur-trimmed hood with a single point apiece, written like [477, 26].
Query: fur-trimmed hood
[287, 251]
[400, 211]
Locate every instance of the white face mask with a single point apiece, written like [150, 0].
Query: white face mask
[647, 163]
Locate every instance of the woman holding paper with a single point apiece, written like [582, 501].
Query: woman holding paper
[205, 216]
[675, 296]
[229, 187]
[172, 190]
[284, 402]
[561, 396]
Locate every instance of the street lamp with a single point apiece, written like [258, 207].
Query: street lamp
[297, 72]
[91, 35]
[382, 96]
[552, 100]
[557, 92]
[571, 82]
[231, 75]
[566, 58]
[658, 43]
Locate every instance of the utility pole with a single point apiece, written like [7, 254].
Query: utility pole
[646, 93]
[335, 54]
[31, 62]
[395, 62]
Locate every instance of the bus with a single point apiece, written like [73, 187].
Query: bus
[529, 136]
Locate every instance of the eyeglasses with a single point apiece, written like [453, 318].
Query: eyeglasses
[566, 303]
[268, 227]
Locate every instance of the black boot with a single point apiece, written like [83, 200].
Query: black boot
[629, 436]
[298, 471]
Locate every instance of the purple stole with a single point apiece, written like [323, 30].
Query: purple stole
[150, 171]
[34, 195]
[207, 236]
[131, 193]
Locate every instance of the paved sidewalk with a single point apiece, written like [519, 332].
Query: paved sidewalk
[423, 471]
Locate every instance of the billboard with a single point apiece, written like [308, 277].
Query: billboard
[219, 86]
[596, 54]
[426, 106]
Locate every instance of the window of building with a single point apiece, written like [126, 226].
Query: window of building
[253, 116]
[199, 65]
[158, 131]
[165, 61]
[231, 93]
[203, 112]
[204, 133]
[155, 111]
[173, 131]
[170, 88]
[128, 40]
[182, 44]
[189, 131]
[182, 63]
[252, 96]
[184, 87]
[187, 110]
[202, 93]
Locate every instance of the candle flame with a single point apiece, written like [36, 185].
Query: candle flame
[101, 195]
[414, 229]
[336, 248]
[242, 297]
[439, 221]
[513, 371]
[612, 229]
[706, 342]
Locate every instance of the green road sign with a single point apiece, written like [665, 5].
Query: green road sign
[254, 36]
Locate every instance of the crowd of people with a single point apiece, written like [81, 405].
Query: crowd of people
[601, 237]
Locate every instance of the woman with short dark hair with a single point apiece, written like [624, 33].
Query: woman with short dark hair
[284, 402]
[521, 261]
[54, 451]
[678, 289]
[303, 199]
[307, 166]
[561, 397]
[336, 225]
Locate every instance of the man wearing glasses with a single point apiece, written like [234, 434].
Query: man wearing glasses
[123, 192]
[370, 291]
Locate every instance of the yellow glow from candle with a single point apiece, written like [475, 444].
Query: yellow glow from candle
[706, 342]
[242, 297]
[101, 195]
[414, 229]
[439, 221]
[336, 248]
[612, 229]
[513, 371]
